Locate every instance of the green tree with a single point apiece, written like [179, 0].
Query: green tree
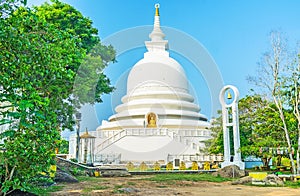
[274, 73]
[63, 147]
[36, 92]
[215, 144]
[248, 106]
[65, 17]
[90, 78]
[266, 133]
[292, 92]
[90, 82]
[260, 127]
[33, 58]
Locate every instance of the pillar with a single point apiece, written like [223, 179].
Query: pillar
[231, 103]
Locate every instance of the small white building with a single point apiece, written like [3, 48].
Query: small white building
[158, 118]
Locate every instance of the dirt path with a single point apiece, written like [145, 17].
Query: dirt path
[136, 185]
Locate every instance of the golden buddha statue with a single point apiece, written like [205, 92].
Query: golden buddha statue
[151, 120]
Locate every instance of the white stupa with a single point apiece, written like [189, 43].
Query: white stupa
[158, 117]
[157, 84]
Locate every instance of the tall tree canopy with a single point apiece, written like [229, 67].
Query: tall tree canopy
[39, 64]
[90, 82]
[278, 77]
[67, 18]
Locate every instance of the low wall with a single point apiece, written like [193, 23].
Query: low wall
[104, 171]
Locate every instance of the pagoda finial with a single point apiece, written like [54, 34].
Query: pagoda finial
[157, 42]
[156, 34]
[157, 9]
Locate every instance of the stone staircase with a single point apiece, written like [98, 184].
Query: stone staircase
[183, 136]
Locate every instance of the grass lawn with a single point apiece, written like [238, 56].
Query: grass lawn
[187, 177]
[48, 190]
[113, 185]
[292, 184]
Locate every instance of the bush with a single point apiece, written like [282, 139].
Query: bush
[77, 171]
[74, 160]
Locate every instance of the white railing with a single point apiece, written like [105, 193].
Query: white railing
[198, 158]
[107, 158]
[182, 136]
[192, 132]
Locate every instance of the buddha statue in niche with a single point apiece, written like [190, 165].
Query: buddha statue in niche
[151, 118]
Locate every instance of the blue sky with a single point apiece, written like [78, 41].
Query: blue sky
[234, 32]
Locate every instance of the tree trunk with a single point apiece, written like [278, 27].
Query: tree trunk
[298, 168]
[297, 114]
[278, 160]
[298, 151]
[290, 151]
[292, 163]
[287, 136]
[266, 161]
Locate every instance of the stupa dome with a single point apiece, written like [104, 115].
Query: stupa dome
[160, 70]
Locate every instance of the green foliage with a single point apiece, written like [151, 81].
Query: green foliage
[285, 162]
[90, 82]
[68, 19]
[267, 132]
[118, 190]
[248, 107]
[131, 183]
[278, 76]
[292, 184]
[39, 59]
[63, 147]
[33, 56]
[73, 160]
[260, 126]
[77, 171]
[215, 144]
[46, 190]
[187, 177]
[41, 180]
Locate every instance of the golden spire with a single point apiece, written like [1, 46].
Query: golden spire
[156, 9]
[157, 36]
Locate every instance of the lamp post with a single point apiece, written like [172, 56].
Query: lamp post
[78, 119]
